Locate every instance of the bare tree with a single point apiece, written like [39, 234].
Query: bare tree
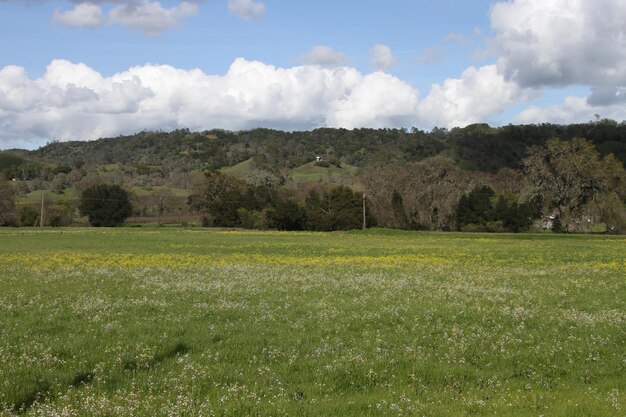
[430, 190]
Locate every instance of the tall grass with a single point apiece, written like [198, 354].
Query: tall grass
[125, 322]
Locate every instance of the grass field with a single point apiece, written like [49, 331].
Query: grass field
[191, 322]
[311, 172]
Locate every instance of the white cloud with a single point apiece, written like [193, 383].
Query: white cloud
[572, 110]
[150, 17]
[540, 44]
[382, 57]
[247, 9]
[324, 56]
[376, 100]
[146, 16]
[479, 94]
[17, 92]
[561, 42]
[73, 101]
[83, 15]
[556, 43]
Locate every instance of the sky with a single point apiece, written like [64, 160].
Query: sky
[85, 69]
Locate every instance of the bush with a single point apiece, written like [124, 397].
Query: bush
[106, 205]
[28, 216]
[287, 215]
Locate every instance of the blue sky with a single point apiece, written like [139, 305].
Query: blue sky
[86, 69]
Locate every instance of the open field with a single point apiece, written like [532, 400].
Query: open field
[312, 172]
[192, 322]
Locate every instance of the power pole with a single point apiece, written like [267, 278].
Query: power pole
[364, 217]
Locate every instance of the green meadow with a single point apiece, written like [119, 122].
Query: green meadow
[196, 322]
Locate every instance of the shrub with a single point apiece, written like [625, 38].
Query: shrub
[28, 216]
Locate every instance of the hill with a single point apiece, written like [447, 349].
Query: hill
[164, 169]
[324, 172]
[475, 147]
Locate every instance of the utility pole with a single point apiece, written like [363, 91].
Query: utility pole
[364, 217]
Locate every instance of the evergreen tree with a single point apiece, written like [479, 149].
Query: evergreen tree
[476, 207]
[106, 205]
[399, 212]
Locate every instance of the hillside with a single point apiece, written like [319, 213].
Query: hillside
[475, 147]
[425, 172]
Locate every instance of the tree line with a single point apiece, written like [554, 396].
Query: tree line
[477, 147]
[406, 179]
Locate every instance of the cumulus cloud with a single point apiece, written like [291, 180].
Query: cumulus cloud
[324, 56]
[561, 42]
[556, 43]
[150, 17]
[477, 95]
[83, 15]
[376, 100]
[73, 101]
[247, 9]
[382, 57]
[572, 110]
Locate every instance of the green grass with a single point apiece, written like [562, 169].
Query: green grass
[239, 169]
[70, 194]
[156, 190]
[34, 197]
[311, 172]
[192, 322]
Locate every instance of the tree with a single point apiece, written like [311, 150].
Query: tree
[28, 216]
[608, 209]
[483, 210]
[208, 195]
[286, 215]
[569, 176]
[106, 205]
[399, 212]
[476, 207]
[514, 216]
[7, 205]
[339, 208]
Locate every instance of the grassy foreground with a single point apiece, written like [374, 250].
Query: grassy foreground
[173, 322]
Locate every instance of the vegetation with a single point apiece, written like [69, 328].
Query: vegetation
[415, 180]
[570, 179]
[147, 321]
[476, 147]
[339, 208]
[7, 206]
[482, 210]
[105, 205]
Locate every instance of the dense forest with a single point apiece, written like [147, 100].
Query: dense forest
[509, 178]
